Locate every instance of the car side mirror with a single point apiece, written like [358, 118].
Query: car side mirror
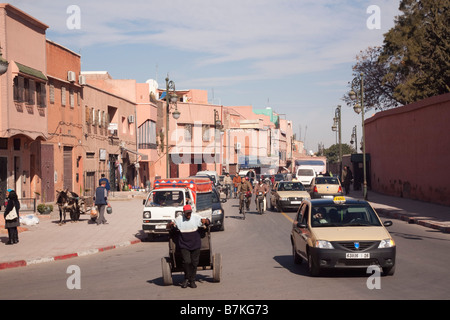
[387, 223]
[301, 225]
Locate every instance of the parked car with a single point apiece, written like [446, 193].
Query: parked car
[218, 213]
[325, 187]
[341, 233]
[287, 195]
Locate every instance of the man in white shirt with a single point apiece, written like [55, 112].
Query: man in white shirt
[189, 242]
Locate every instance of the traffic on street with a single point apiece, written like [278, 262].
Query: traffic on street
[257, 262]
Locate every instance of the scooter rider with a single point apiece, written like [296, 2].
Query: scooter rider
[260, 186]
[245, 187]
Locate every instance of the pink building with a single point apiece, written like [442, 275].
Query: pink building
[23, 102]
[63, 153]
[120, 131]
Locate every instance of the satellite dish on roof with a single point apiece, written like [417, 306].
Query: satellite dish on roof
[153, 86]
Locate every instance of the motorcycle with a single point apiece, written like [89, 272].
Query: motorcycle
[261, 202]
[244, 202]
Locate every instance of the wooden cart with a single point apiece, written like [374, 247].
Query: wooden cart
[207, 261]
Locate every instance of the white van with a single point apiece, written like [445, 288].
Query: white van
[305, 175]
[212, 174]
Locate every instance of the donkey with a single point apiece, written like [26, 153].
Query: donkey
[68, 201]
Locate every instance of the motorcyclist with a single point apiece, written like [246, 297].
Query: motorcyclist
[244, 187]
[260, 186]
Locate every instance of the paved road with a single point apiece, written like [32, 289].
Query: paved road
[257, 264]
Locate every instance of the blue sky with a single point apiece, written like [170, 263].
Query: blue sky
[295, 56]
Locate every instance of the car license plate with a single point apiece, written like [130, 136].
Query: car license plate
[296, 202]
[160, 226]
[327, 197]
[359, 255]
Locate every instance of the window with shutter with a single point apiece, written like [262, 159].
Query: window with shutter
[52, 93]
[63, 96]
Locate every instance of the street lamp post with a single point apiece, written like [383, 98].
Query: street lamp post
[171, 97]
[359, 108]
[217, 126]
[337, 127]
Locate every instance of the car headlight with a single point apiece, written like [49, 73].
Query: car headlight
[178, 213]
[284, 199]
[386, 243]
[218, 211]
[323, 244]
[147, 215]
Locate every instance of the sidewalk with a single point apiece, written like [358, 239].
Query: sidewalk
[413, 211]
[47, 241]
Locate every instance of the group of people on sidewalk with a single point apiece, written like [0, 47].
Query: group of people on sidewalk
[12, 209]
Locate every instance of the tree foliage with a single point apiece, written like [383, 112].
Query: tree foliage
[332, 153]
[414, 61]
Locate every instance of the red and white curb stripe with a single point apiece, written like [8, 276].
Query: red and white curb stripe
[24, 263]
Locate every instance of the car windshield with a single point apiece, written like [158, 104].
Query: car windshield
[278, 177]
[164, 198]
[337, 215]
[291, 186]
[327, 180]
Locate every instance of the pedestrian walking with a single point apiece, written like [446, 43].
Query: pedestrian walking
[101, 201]
[11, 216]
[347, 177]
[189, 241]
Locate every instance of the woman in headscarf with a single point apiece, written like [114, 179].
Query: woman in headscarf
[12, 225]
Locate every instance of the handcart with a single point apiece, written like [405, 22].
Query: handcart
[207, 261]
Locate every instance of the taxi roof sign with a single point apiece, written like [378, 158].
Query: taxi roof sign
[339, 200]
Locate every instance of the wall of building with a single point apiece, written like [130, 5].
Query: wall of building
[409, 150]
[65, 121]
[23, 124]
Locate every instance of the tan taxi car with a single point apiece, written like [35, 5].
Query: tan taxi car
[341, 233]
[325, 187]
[287, 195]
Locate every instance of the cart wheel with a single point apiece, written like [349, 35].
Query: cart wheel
[166, 272]
[217, 267]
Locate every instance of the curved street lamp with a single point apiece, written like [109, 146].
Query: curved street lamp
[358, 82]
[171, 98]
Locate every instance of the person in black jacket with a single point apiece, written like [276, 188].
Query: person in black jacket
[12, 225]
